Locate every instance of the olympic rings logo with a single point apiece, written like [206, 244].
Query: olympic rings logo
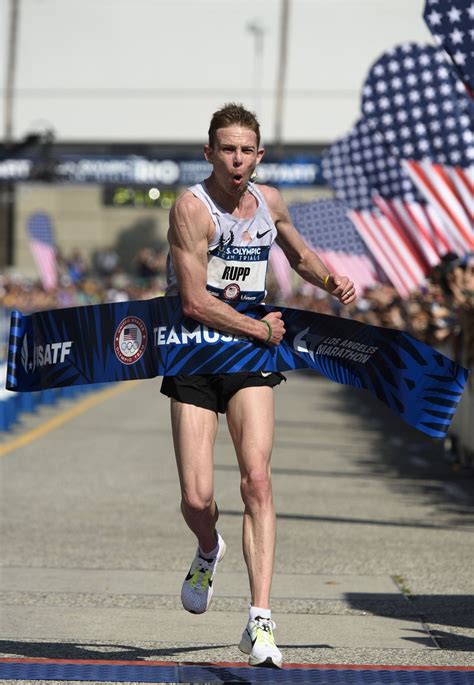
[130, 340]
[129, 346]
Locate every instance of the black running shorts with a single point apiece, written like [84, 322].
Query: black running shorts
[214, 392]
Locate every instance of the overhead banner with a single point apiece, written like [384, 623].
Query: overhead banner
[140, 170]
[144, 339]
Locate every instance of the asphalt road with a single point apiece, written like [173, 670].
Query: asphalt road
[375, 535]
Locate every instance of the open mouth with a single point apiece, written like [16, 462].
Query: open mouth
[237, 178]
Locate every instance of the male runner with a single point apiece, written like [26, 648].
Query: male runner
[221, 231]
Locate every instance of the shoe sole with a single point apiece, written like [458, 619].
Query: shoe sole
[198, 613]
[268, 663]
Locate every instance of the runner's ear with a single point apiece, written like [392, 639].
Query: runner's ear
[208, 153]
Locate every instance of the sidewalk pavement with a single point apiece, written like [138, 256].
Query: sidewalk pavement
[375, 536]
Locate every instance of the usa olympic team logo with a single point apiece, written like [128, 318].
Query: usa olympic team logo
[130, 340]
[231, 292]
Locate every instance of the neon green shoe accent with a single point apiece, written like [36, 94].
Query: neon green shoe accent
[195, 577]
[264, 637]
[259, 643]
[197, 588]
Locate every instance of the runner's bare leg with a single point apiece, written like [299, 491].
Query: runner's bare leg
[250, 417]
[194, 434]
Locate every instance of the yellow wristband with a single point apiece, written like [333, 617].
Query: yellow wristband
[270, 330]
[326, 279]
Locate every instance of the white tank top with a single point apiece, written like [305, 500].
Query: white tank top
[236, 267]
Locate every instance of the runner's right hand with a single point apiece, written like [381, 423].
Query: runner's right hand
[278, 327]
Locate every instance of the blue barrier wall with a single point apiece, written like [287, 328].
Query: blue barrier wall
[14, 404]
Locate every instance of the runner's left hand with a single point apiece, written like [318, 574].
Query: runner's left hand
[342, 288]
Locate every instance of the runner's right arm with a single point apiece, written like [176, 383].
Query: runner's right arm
[190, 230]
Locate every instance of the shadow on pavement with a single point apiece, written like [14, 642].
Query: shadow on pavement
[352, 520]
[455, 611]
[68, 650]
[312, 473]
[411, 462]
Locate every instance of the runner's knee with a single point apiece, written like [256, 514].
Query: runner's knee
[256, 485]
[196, 502]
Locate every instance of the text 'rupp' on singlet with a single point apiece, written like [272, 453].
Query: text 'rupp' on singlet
[236, 266]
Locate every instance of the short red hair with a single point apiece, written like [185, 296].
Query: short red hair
[233, 113]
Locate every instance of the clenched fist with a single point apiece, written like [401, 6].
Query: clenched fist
[342, 288]
[277, 326]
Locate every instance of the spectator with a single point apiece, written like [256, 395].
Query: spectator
[106, 262]
[149, 264]
[77, 266]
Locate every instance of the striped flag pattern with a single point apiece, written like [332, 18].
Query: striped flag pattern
[397, 198]
[325, 227]
[41, 240]
[378, 232]
[415, 102]
[451, 191]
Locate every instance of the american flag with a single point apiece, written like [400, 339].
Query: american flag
[325, 227]
[450, 190]
[414, 100]
[41, 240]
[130, 333]
[452, 25]
[412, 96]
[397, 198]
[377, 231]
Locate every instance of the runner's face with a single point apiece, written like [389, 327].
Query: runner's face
[234, 157]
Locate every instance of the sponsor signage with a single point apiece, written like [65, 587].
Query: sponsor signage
[149, 338]
[36, 356]
[139, 170]
[130, 340]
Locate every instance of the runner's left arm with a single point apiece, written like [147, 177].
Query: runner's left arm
[302, 258]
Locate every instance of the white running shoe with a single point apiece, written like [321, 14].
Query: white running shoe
[196, 593]
[258, 642]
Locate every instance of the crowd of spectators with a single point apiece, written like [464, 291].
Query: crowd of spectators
[83, 282]
[436, 314]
